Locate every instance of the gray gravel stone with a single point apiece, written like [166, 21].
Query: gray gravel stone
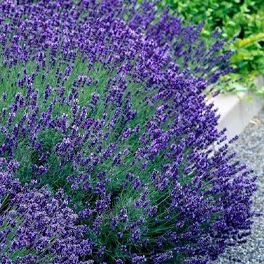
[250, 150]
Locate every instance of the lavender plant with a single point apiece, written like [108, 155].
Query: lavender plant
[104, 101]
[36, 227]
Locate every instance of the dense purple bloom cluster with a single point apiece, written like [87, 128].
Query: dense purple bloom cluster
[38, 224]
[104, 101]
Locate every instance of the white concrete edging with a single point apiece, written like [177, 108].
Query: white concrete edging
[235, 112]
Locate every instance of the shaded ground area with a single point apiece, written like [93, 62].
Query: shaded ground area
[250, 150]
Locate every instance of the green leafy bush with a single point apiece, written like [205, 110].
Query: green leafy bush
[241, 18]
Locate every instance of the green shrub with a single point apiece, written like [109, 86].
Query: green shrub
[243, 19]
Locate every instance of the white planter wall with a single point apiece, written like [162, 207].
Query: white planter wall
[236, 112]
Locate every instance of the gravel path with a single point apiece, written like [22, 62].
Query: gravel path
[250, 150]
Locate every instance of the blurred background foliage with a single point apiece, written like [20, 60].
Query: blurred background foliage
[243, 19]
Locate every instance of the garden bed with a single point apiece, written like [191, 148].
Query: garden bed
[106, 142]
[236, 112]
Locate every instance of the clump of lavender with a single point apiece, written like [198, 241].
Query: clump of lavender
[104, 101]
[36, 227]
